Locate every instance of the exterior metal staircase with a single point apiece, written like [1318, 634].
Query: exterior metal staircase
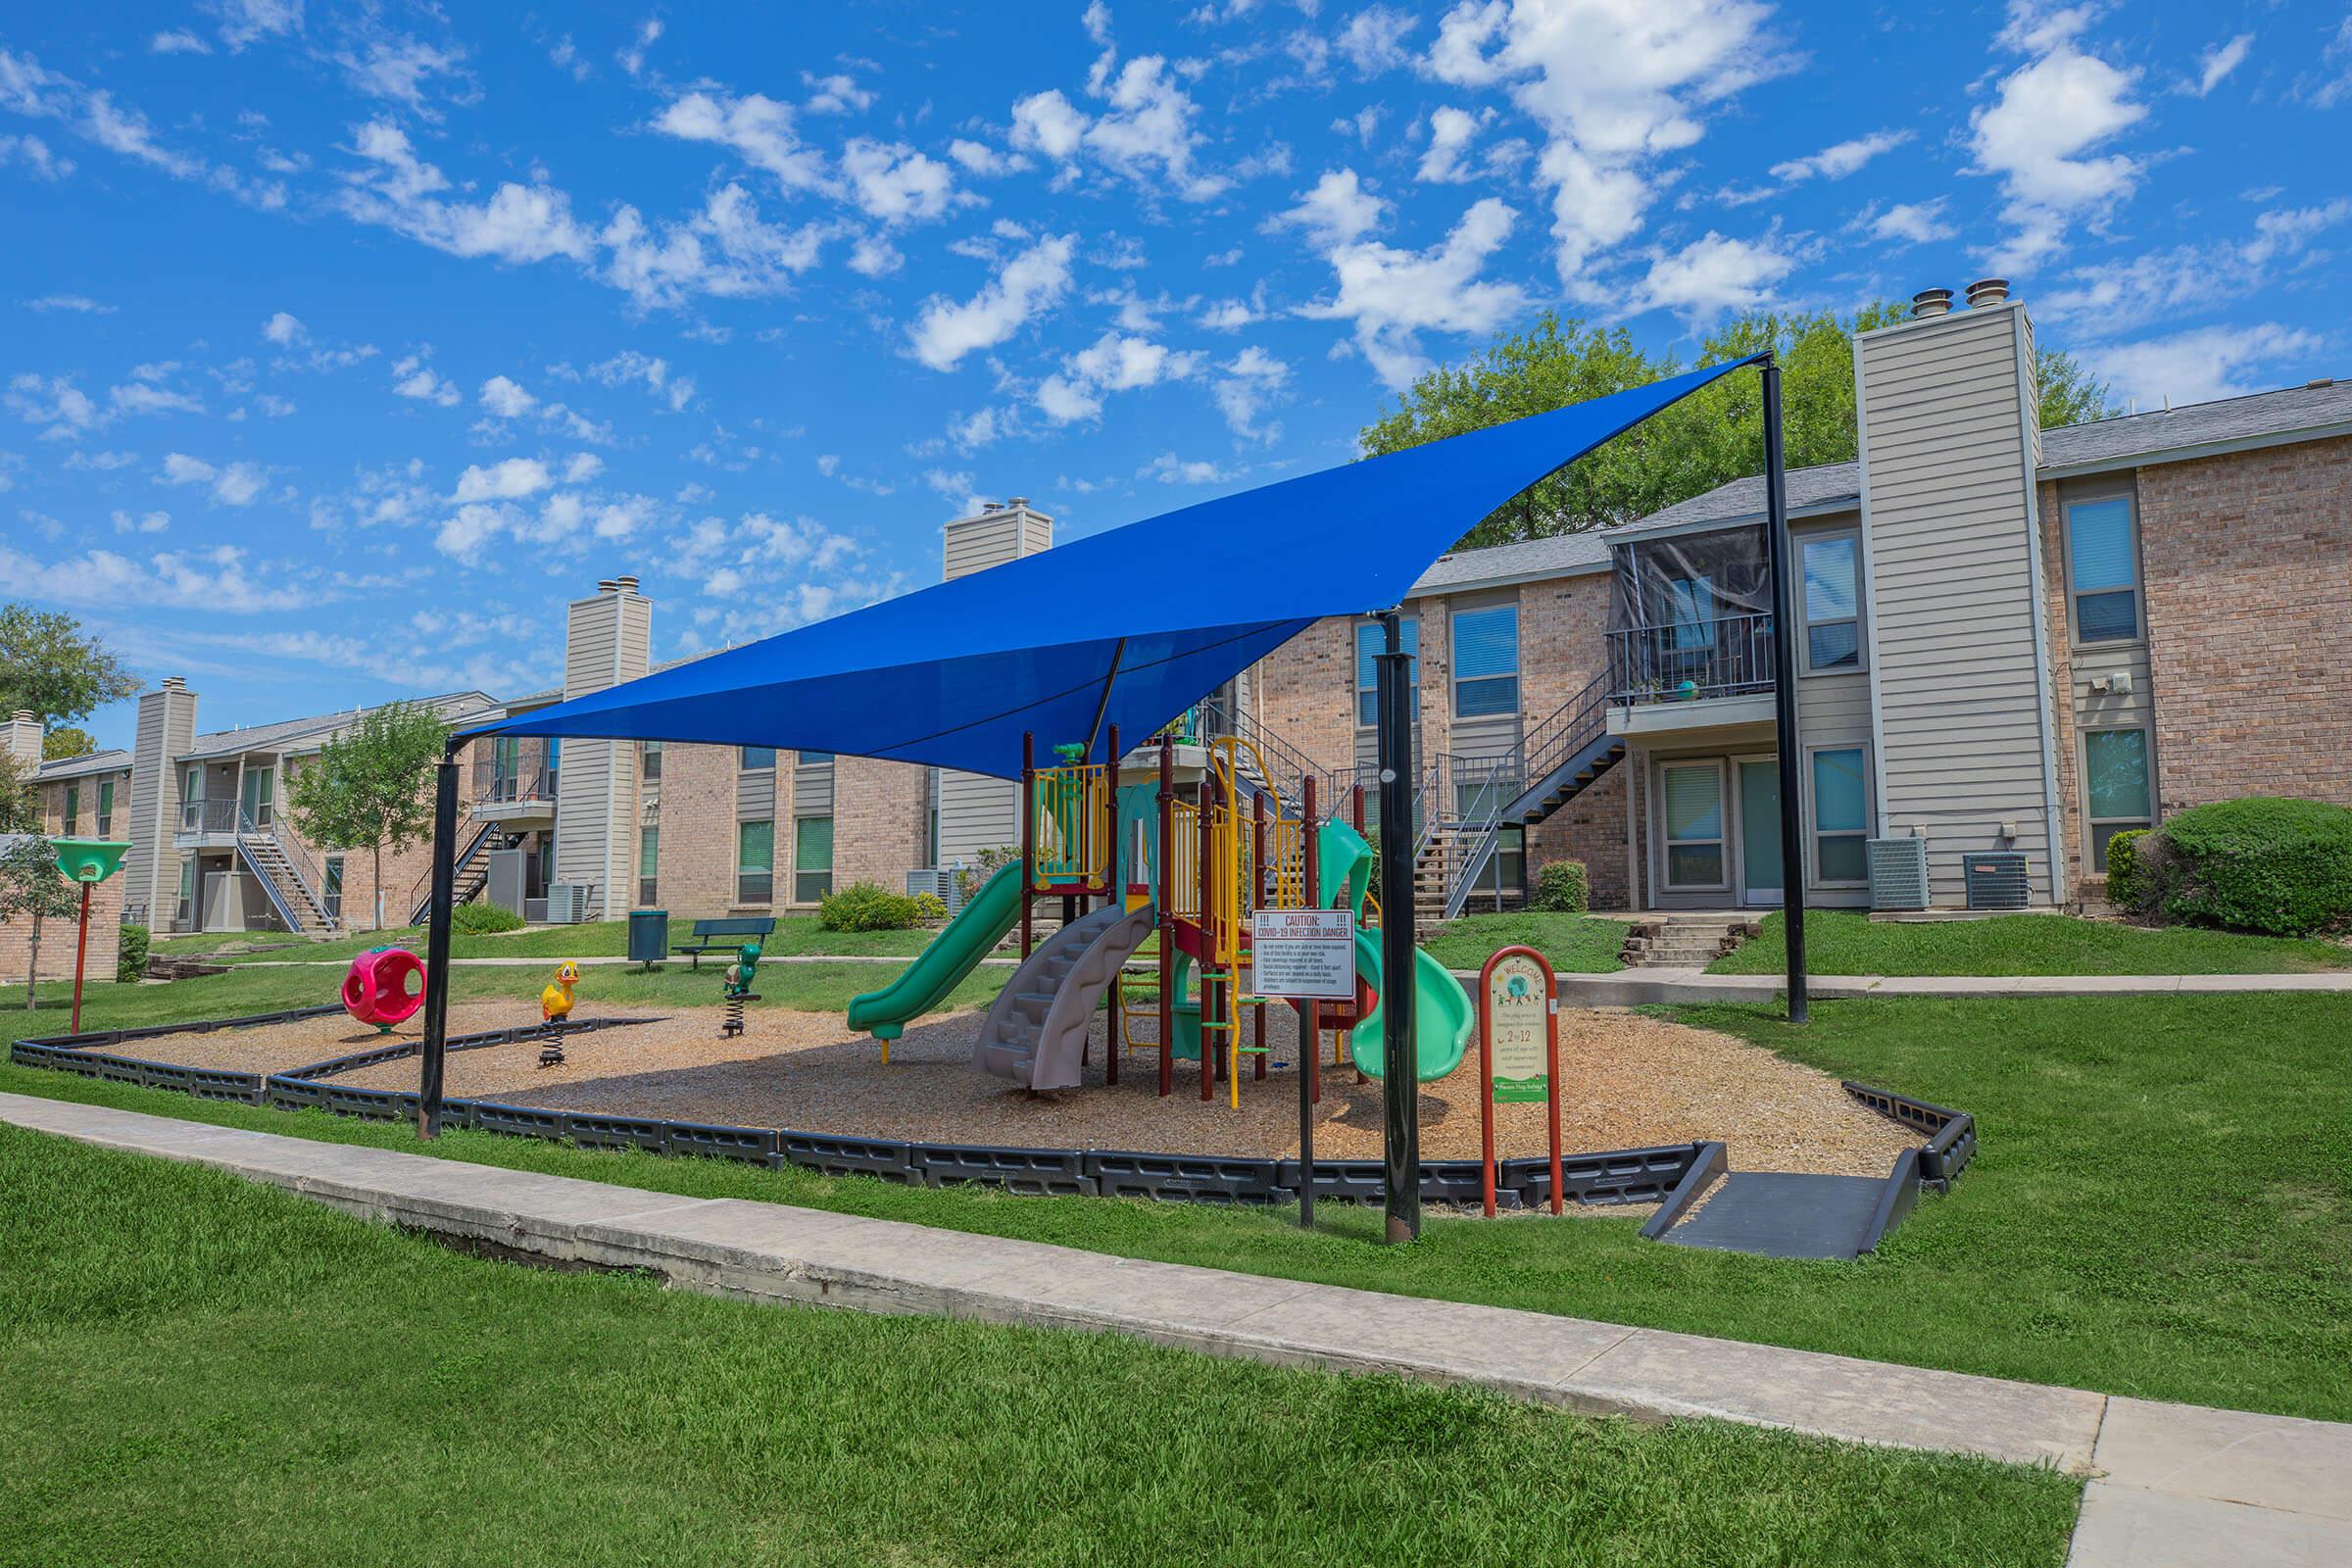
[472, 875]
[280, 865]
[1036, 1032]
[1553, 764]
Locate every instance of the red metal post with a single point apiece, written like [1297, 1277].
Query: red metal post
[82, 950]
[1551, 1069]
[1167, 917]
[1485, 1088]
[1115, 884]
[1209, 1052]
[1028, 829]
[1310, 1060]
[1358, 806]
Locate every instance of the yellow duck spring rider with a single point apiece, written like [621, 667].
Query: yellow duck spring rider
[555, 1006]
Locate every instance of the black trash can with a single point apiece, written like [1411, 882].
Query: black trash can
[649, 936]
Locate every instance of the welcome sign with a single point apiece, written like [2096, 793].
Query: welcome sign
[1519, 1008]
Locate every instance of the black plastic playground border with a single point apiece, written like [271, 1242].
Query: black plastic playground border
[1672, 1175]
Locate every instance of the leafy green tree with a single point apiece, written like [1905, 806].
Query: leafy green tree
[20, 807]
[67, 740]
[369, 787]
[49, 664]
[32, 887]
[1713, 437]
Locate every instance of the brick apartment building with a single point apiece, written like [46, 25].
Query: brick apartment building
[2010, 640]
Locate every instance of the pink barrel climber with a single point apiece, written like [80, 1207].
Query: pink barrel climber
[384, 987]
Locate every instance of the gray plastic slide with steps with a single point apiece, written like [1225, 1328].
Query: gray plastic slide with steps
[1036, 1033]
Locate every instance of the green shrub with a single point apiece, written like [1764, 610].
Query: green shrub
[867, 907]
[2278, 866]
[930, 907]
[1562, 888]
[2126, 885]
[130, 960]
[483, 920]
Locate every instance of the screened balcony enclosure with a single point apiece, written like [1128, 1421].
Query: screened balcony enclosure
[1690, 618]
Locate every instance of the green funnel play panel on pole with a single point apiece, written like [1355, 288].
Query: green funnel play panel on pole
[86, 861]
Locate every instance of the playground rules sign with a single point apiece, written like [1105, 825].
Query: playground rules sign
[1305, 954]
[1518, 1021]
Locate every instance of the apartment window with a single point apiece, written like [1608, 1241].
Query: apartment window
[73, 806]
[815, 759]
[1833, 568]
[2103, 569]
[1475, 803]
[106, 808]
[186, 917]
[812, 859]
[1486, 661]
[648, 761]
[755, 863]
[648, 862]
[1694, 801]
[2116, 788]
[554, 760]
[1840, 815]
[1369, 642]
[1691, 611]
[755, 759]
[331, 891]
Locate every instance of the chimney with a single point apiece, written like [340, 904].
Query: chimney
[21, 739]
[1986, 292]
[627, 585]
[1930, 302]
[175, 683]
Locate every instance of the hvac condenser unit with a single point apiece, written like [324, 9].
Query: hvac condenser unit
[1898, 873]
[566, 902]
[1996, 880]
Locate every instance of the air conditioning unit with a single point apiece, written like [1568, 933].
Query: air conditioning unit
[566, 902]
[939, 881]
[1898, 873]
[1997, 880]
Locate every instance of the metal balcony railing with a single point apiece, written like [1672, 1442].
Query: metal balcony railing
[508, 786]
[1730, 656]
[209, 816]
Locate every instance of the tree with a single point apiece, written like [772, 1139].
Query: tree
[67, 740]
[367, 787]
[32, 887]
[49, 665]
[1712, 436]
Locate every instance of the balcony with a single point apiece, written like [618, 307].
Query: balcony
[516, 796]
[1690, 675]
[206, 825]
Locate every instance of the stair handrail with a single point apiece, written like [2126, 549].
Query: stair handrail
[1576, 724]
[298, 862]
[422, 888]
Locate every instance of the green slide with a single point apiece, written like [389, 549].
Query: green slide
[1442, 1013]
[953, 953]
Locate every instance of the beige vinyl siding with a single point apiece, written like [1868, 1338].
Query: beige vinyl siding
[608, 640]
[1954, 612]
[811, 789]
[976, 812]
[167, 727]
[755, 795]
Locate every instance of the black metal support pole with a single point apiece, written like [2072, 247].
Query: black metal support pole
[1796, 862]
[436, 944]
[1401, 1097]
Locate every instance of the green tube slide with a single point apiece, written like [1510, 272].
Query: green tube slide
[1442, 1013]
[953, 953]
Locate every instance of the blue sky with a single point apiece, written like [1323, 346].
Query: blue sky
[344, 343]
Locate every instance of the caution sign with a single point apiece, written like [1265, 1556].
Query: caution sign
[1305, 954]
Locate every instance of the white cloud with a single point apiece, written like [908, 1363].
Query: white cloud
[875, 256]
[1714, 274]
[582, 467]
[241, 21]
[397, 190]
[1906, 223]
[2041, 131]
[414, 378]
[2115, 296]
[217, 581]
[1840, 160]
[1145, 133]
[76, 304]
[101, 462]
[283, 330]
[1048, 122]
[894, 182]
[60, 410]
[1032, 281]
[723, 250]
[978, 158]
[1168, 468]
[632, 54]
[1113, 362]
[506, 399]
[147, 396]
[1392, 295]
[1374, 39]
[508, 479]
[179, 41]
[1336, 210]
[2207, 363]
[399, 68]
[2215, 64]
[274, 405]
[757, 127]
[629, 366]
[34, 154]
[1615, 84]
[1246, 385]
[1232, 315]
[1449, 134]
[141, 523]
[236, 485]
[2335, 86]
[836, 94]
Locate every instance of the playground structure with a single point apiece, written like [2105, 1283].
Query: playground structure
[1134, 848]
[385, 987]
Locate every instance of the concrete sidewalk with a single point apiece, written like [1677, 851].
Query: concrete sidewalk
[2175, 1484]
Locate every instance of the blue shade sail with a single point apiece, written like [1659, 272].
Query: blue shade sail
[1126, 627]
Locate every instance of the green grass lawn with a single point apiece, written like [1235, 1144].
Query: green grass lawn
[2162, 1205]
[1576, 944]
[594, 939]
[1843, 942]
[246, 989]
[206, 1371]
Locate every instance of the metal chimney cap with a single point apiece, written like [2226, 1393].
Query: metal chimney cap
[175, 683]
[24, 715]
[1930, 302]
[605, 585]
[627, 585]
[1988, 291]
[1017, 501]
